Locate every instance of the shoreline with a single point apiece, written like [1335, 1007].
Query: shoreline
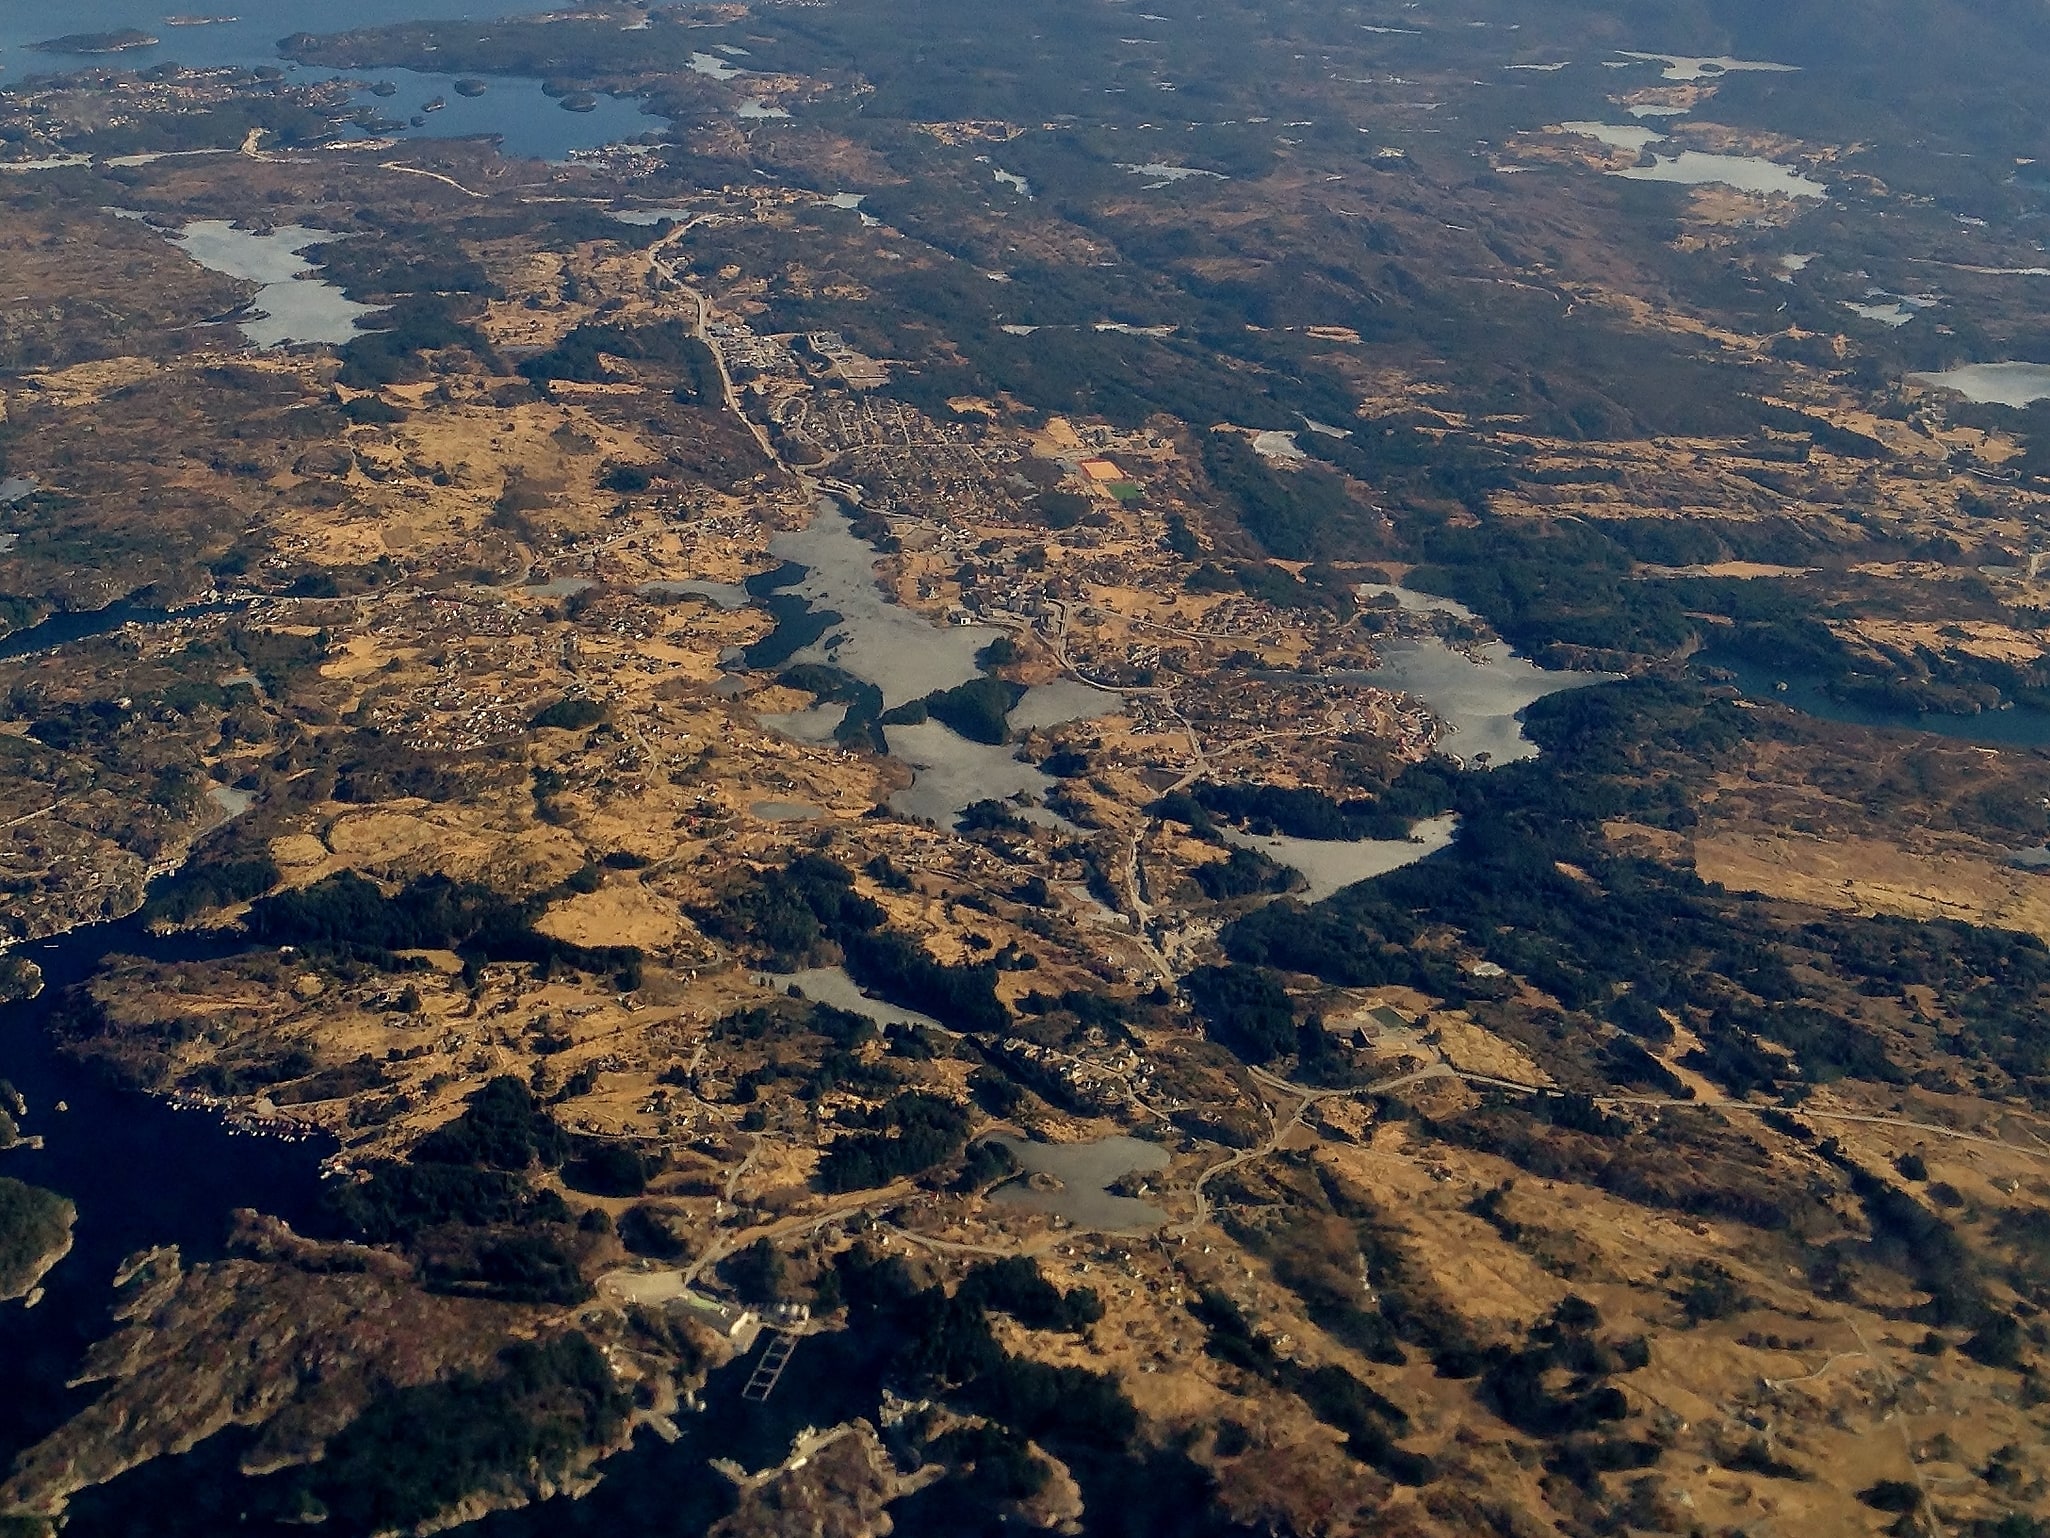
[30, 1284]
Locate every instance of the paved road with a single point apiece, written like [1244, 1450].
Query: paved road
[1278, 1129]
[734, 1243]
[703, 306]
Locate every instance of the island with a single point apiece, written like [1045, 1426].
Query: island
[122, 40]
[35, 1233]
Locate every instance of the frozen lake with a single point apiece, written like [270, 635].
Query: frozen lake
[1680, 66]
[1746, 173]
[949, 773]
[1066, 699]
[230, 800]
[1617, 136]
[1331, 865]
[1084, 1170]
[711, 64]
[815, 726]
[901, 653]
[650, 216]
[877, 640]
[832, 985]
[1894, 310]
[1479, 698]
[1166, 175]
[294, 303]
[1993, 384]
[1414, 602]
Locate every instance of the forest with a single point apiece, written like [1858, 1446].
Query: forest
[946, 1350]
[907, 1135]
[1636, 932]
[466, 1205]
[347, 914]
[801, 914]
[415, 1452]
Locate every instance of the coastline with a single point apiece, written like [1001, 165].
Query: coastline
[27, 1279]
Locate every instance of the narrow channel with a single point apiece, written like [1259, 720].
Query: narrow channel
[140, 1173]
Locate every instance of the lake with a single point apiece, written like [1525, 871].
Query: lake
[1680, 66]
[69, 625]
[294, 304]
[816, 725]
[1696, 168]
[832, 985]
[526, 120]
[877, 640]
[1993, 384]
[250, 39]
[1413, 602]
[1480, 698]
[1167, 175]
[1064, 700]
[950, 773]
[1746, 173]
[880, 642]
[1892, 310]
[2020, 727]
[1084, 1171]
[1617, 136]
[1330, 865]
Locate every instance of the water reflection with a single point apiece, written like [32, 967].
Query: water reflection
[525, 120]
[2020, 726]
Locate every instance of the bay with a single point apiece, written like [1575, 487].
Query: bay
[527, 122]
[140, 1172]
